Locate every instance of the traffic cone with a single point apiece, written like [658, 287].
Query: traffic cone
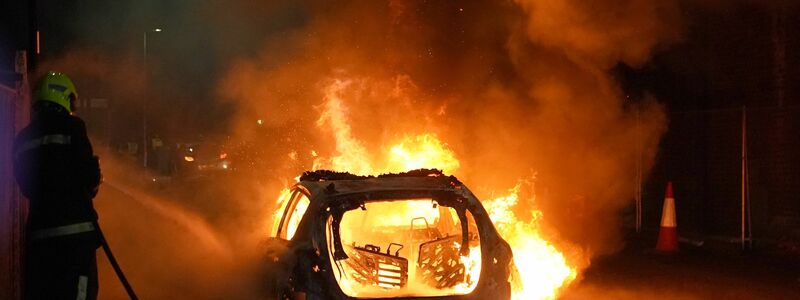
[668, 234]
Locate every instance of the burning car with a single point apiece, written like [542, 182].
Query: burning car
[419, 234]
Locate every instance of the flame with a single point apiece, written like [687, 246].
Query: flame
[422, 151]
[352, 153]
[543, 270]
[472, 265]
[283, 199]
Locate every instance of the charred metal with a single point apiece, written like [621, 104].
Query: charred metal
[421, 260]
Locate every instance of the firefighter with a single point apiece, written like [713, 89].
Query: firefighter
[58, 172]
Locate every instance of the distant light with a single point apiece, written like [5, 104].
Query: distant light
[191, 149]
[38, 43]
[223, 155]
[260, 122]
[188, 158]
[157, 30]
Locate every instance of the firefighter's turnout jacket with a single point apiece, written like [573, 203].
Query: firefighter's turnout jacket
[58, 172]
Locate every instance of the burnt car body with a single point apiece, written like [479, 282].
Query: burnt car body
[328, 236]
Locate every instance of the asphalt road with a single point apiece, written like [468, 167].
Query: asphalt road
[187, 248]
[694, 273]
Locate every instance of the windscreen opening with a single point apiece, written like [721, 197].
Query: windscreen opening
[401, 248]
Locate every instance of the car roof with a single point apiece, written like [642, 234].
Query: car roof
[316, 182]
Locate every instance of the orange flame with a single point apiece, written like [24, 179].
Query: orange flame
[422, 151]
[544, 271]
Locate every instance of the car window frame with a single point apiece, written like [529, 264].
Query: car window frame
[297, 194]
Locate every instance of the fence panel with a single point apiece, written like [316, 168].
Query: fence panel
[775, 171]
[702, 154]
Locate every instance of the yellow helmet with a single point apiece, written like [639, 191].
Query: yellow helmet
[57, 88]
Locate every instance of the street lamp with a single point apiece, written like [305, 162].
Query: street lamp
[144, 101]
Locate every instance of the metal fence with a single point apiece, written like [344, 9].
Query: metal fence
[704, 155]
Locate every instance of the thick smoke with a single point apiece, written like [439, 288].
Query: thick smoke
[195, 240]
[169, 247]
[516, 89]
[587, 137]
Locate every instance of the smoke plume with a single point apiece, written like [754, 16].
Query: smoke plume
[515, 89]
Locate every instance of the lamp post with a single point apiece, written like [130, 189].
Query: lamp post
[144, 101]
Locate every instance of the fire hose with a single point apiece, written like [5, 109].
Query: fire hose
[114, 264]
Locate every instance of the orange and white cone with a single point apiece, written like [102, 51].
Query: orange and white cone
[668, 234]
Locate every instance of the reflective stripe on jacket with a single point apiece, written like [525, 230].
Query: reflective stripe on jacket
[52, 139]
[62, 231]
